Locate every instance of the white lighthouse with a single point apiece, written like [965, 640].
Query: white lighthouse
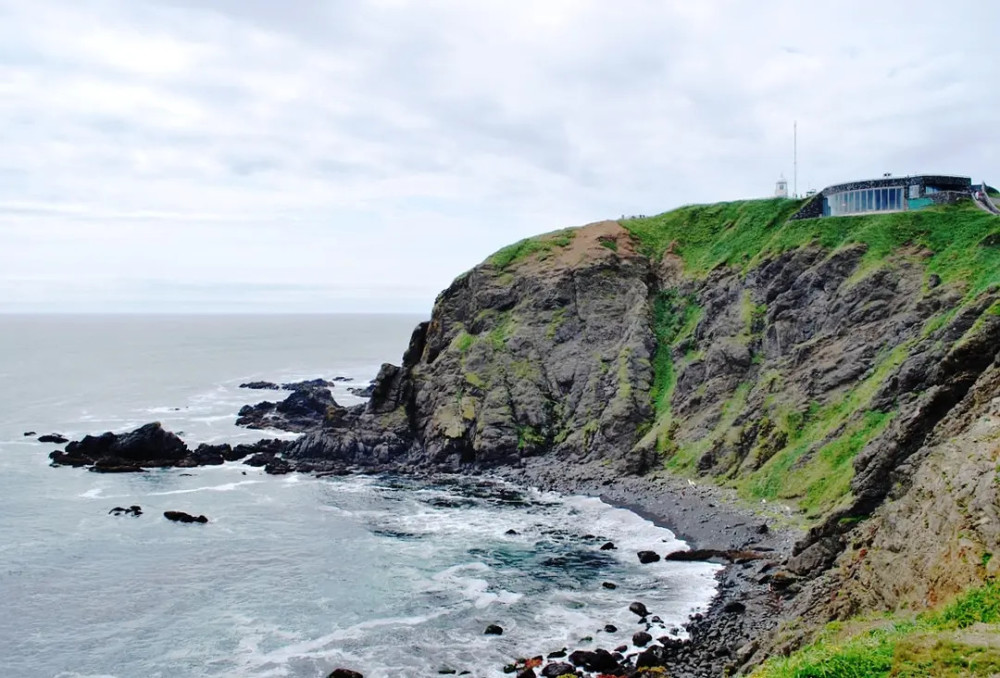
[781, 188]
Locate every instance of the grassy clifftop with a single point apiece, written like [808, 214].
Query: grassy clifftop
[960, 240]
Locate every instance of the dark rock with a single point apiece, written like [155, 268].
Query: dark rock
[734, 607]
[341, 378]
[260, 459]
[610, 628]
[345, 673]
[654, 655]
[493, 630]
[181, 517]
[116, 465]
[609, 585]
[641, 639]
[306, 409]
[646, 557]
[365, 392]
[558, 654]
[261, 385]
[527, 673]
[134, 511]
[211, 455]
[310, 384]
[511, 533]
[54, 438]
[277, 467]
[638, 609]
[28, 434]
[556, 669]
[608, 546]
[594, 660]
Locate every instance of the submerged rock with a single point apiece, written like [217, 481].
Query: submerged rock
[261, 385]
[493, 630]
[638, 609]
[54, 438]
[134, 511]
[181, 517]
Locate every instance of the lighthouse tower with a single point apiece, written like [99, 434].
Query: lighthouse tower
[781, 188]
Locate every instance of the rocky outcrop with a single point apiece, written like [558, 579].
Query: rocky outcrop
[306, 409]
[151, 446]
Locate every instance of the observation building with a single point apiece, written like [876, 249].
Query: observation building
[887, 194]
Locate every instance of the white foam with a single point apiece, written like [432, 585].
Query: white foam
[225, 487]
[94, 493]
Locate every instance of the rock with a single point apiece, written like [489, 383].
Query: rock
[28, 434]
[594, 660]
[365, 392]
[53, 438]
[211, 455]
[527, 673]
[558, 654]
[181, 517]
[149, 445]
[654, 655]
[556, 669]
[609, 585]
[310, 384]
[734, 607]
[493, 630]
[641, 639]
[511, 533]
[134, 511]
[638, 609]
[345, 673]
[261, 385]
[646, 557]
[277, 466]
[116, 465]
[608, 546]
[307, 408]
[610, 628]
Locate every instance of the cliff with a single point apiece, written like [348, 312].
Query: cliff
[845, 367]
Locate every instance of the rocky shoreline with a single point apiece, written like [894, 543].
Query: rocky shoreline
[753, 586]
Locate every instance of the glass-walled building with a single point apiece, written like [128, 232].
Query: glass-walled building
[888, 194]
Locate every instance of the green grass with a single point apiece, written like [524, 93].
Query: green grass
[742, 234]
[540, 246]
[932, 645]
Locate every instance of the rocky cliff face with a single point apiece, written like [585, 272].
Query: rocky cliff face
[834, 370]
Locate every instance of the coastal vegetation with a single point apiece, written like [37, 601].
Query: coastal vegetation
[961, 639]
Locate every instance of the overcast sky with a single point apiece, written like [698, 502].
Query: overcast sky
[310, 155]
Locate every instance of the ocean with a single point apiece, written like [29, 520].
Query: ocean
[292, 576]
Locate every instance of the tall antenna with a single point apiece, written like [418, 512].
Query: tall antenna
[795, 159]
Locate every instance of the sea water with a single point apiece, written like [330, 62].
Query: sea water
[292, 575]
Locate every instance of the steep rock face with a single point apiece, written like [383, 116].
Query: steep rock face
[548, 352]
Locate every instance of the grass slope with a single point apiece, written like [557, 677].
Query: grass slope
[960, 640]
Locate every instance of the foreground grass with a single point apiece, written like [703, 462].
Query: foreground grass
[963, 639]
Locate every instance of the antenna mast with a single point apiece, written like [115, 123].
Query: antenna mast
[795, 159]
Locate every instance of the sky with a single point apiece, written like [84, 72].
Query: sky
[217, 156]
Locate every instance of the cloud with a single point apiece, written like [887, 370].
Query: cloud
[163, 152]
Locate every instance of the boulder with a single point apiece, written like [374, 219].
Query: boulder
[641, 639]
[134, 511]
[646, 557]
[638, 609]
[310, 384]
[608, 546]
[181, 517]
[365, 392]
[594, 660]
[655, 655]
[344, 673]
[53, 438]
[556, 669]
[493, 630]
[28, 434]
